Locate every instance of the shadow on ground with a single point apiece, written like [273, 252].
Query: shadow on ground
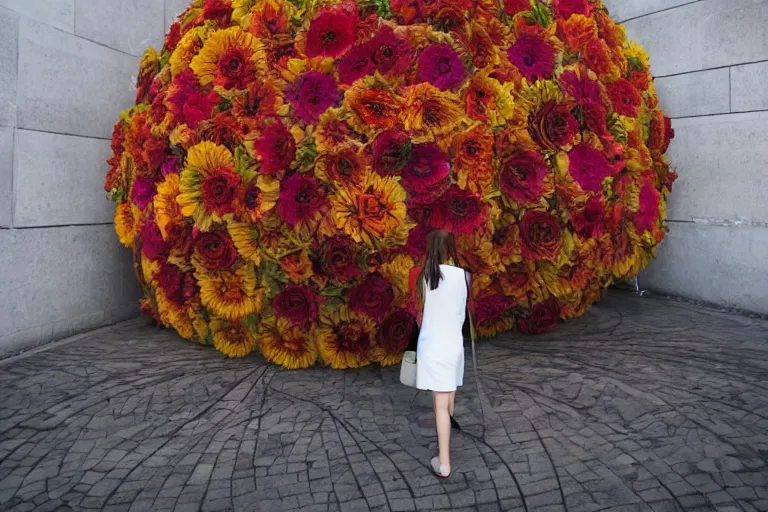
[643, 404]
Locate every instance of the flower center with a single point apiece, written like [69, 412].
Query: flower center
[444, 66]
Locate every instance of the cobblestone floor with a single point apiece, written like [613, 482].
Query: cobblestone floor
[643, 404]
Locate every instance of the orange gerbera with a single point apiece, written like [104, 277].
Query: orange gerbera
[472, 158]
[344, 338]
[373, 212]
[232, 338]
[333, 130]
[288, 344]
[373, 105]
[487, 101]
[230, 294]
[167, 209]
[430, 111]
[230, 58]
[577, 30]
[126, 223]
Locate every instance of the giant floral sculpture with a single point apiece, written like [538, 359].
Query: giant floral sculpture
[286, 158]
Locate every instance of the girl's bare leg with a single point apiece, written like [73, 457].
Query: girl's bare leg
[443, 424]
[451, 403]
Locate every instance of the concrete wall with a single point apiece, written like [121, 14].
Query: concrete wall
[710, 60]
[67, 68]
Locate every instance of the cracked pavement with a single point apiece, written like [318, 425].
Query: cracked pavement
[642, 404]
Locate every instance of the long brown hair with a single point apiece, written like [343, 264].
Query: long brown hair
[441, 246]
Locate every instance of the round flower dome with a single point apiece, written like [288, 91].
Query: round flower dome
[286, 159]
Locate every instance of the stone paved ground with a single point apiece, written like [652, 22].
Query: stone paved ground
[643, 404]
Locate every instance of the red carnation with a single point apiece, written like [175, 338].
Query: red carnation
[459, 211]
[427, 173]
[152, 244]
[372, 297]
[648, 214]
[553, 126]
[589, 167]
[512, 7]
[491, 308]
[337, 259]
[534, 57]
[276, 148]
[177, 285]
[391, 152]
[215, 250]
[300, 198]
[522, 175]
[332, 32]
[566, 8]
[387, 51]
[589, 222]
[395, 332]
[220, 190]
[624, 98]
[542, 318]
[297, 303]
[541, 236]
[661, 132]
[355, 65]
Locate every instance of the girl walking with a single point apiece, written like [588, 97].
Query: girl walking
[443, 288]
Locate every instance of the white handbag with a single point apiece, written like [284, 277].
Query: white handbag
[408, 369]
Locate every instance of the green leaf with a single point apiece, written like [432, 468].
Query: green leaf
[225, 105]
[382, 7]
[541, 13]
[332, 292]
[635, 64]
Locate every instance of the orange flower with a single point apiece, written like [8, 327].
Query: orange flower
[577, 30]
[232, 338]
[287, 344]
[430, 111]
[230, 294]
[472, 158]
[345, 339]
[372, 105]
[126, 223]
[373, 212]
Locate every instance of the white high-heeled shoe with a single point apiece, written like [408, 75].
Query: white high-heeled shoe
[440, 469]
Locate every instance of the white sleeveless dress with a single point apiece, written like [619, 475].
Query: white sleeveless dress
[440, 352]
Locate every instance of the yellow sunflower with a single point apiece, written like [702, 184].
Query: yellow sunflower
[126, 223]
[247, 239]
[344, 339]
[230, 58]
[167, 210]
[373, 212]
[210, 188]
[231, 294]
[233, 339]
[287, 344]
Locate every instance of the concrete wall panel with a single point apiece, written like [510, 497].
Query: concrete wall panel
[56, 13]
[9, 42]
[703, 35]
[126, 25]
[749, 87]
[622, 10]
[62, 280]
[721, 162]
[173, 8]
[58, 180]
[695, 94]
[68, 85]
[717, 264]
[6, 176]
